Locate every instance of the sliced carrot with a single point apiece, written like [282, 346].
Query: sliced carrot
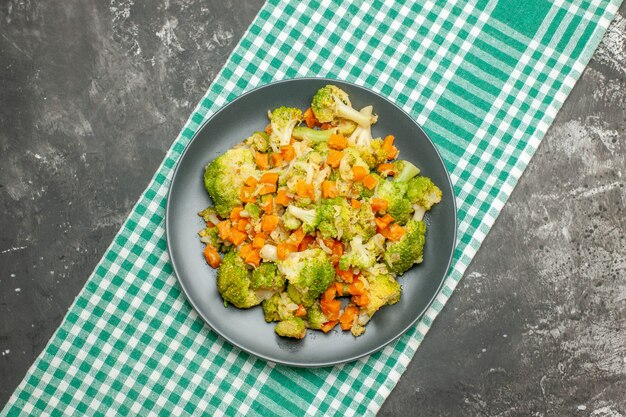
[379, 204]
[346, 276]
[339, 288]
[329, 189]
[370, 182]
[309, 118]
[211, 256]
[251, 182]
[245, 250]
[387, 219]
[330, 293]
[269, 223]
[337, 249]
[385, 169]
[269, 178]
[236, 213]
[268, 206]
[393, 153]
[334, 158]
[253, 258]
[262, 160]
[283, 250]
[361, 300]
[282, 198]
[356, 288]
[237, 236]
[223, 228]
[246, 195]
[296, 237]
[326, 126]
[337, 141]
[354, 203]
[329, 325]
[331, 308]
[306, 242]
[301, 311]
[268, 129]
[242, 224]
[277, 159]
[358, 173]
[396, 232]
[347, 318]
[304, 189]
[259, 241]
[380, 225]
[267, 189]
[288, 152]
[388, 142]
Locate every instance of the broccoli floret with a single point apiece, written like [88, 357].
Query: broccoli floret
[279, 307]
[233, 282]
[253, 210]
[401, 255]
[314, 135]
[283, 120]
[209, 214]
[210, 236]
[422, 191]
[259, 141]
[315, 317]
[331, 102]
[399, 206]
[360, 191]
[374, 154]
[225, 175]
[267, 277]
[346, 127]
[405, 170]
[309, 272]
[334, 218]
[310, 218]
[383, 290]
[293, 327]
[362, 255]
[362, 223]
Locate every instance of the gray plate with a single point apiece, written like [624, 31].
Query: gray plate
[247, 328]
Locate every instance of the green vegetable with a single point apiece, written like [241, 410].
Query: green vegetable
[331, 102]
[401, 255]
[309, 274]
[283, 120]
[225, 176]
[293, 327]
[233, 282]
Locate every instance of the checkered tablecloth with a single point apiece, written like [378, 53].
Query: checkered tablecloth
[484, 78]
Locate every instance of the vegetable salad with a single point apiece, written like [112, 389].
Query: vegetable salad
[315, 218]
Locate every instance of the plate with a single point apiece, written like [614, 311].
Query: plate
[247, 329]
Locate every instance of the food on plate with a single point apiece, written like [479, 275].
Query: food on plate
[314, 219]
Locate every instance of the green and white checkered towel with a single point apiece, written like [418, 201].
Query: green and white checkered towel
[484, 78]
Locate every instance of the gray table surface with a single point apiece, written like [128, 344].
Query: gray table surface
[92, 94]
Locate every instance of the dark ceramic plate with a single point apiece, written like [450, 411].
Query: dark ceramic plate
[246, 328]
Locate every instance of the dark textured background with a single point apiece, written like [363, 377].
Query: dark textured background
[92, 94]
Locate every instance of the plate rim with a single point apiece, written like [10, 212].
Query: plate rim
[247, 349]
